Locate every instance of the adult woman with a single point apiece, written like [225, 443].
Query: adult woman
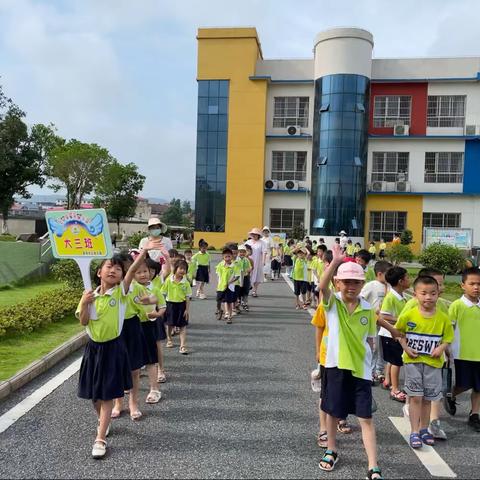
[259, 254]
[156, 229]
[269, 245]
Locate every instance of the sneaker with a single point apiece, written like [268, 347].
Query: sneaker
[474, 421]
[435, 430]
[198, 294]
[203, 296]
[99, 449]
[406, 410]
[450, 404]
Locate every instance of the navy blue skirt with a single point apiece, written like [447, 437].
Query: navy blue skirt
[161, 331]
[150, 331]
[174, 314]
[202, 274]
[105, 372]
[134, 339]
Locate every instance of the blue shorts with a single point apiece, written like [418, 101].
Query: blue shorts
[392, 351]
[467, 374]
[226, 296]
[343, 394]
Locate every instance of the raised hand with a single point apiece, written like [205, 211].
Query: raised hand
[337, 254]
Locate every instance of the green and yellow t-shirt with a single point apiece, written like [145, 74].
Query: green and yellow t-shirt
[300, 269]
[319, 320]
[176, 292]
[133, 303]
[424, 334]
[369, 275]
[287, 250]
[310, 269]
[226, 273]
[372, 250]
[347, 345]
[350, 249]
[442, 305]
[202, 259]
[107, 314]
[383, 246]
[393, 305]
[465, 317]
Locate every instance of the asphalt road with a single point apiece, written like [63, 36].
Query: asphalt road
[239, 406]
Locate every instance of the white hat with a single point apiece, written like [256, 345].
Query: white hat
[156, 221]
[342, 232]
[266, 228]
[241, 247]
[255, 231]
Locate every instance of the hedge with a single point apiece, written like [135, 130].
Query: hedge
[48, 307]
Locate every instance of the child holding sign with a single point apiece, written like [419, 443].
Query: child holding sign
[105, 372]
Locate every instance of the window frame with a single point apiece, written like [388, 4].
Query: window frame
[443, 217]
[281, 114]
[445, 176]
[436, 119]
[383, 119]
[284, 174]
[281, 213]
[375, 234]
[384, 174]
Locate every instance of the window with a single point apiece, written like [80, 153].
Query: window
[289, 166]
[446, 111]
[441, 220]
[283, 220]
[390, 166]
[386, 224]
[391, 110]
[290, 111]
[443, 167]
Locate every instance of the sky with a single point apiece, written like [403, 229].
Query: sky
[122, 73]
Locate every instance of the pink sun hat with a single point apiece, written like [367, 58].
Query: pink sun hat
[350, 271]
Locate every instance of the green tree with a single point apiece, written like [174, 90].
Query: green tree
[78, 168]
[445, 258]
[186, 207]
[21, 157]
[174, 213]
[406, 237]
[117, 192]
[400, 253]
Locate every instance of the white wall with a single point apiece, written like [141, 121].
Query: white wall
[286, 200]
[291, 90]
[417, 149]
[468, 206]
[288, 69]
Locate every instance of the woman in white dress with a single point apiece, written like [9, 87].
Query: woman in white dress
[259, 253]
[269, 245]
[156, 230]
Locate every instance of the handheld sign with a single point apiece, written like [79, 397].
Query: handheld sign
[81, 235]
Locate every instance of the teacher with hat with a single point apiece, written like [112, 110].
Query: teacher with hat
[259, 254]
[156, 230]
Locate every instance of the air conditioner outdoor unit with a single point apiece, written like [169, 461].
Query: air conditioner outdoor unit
[471, 130]
[294, 130]
[378, 186]
[401, 130]
[271, 185]
[291, 185]
[402, 186]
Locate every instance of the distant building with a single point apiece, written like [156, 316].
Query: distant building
[158, 209]
[143, 210]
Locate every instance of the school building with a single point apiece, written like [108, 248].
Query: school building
[340, 141]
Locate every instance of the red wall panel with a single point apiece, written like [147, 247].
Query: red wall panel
[418, 114]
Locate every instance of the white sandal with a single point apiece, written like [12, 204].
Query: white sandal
[99, 448]
[153, 397]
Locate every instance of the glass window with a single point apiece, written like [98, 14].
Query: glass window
[443, 167]
[290, 111]
[391, 110]
[390, 166]
[283, 220]
[289, 166]
[386, 224]
[223, 88]
[446, 110]
[441, 220]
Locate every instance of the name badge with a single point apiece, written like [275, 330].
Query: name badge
[423, 344]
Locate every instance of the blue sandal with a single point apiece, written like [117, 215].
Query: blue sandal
[415, 440]
[330, 458]
[374, 471]
[427, 437]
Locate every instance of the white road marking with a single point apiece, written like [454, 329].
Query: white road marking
[430, 459]
[19, 410]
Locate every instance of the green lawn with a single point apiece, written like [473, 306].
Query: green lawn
[13, 295]
[17, 259]
[18, 351]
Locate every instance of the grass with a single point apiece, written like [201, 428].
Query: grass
[19, 350]
[17, 259]
[10, 295]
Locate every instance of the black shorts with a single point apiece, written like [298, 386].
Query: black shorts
[287, 260]
[381, 254]
[226, 296]
[202, 274]
[343, 394]
[392, 351]
[245, 289]
[300, 287]
[467, 374]
[276, 265]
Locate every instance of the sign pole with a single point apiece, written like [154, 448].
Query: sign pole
[84, 265]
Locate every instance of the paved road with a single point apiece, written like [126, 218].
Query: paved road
[240, 406]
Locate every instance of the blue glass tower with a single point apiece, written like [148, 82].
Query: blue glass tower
[340, 129]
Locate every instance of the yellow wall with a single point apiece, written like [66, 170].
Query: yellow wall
[231, 54]
[412, 204]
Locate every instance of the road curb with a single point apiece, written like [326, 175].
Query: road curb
[40, 366]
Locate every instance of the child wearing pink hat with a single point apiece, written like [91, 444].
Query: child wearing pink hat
[347, 382]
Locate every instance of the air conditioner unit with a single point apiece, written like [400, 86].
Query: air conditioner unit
[291, 185]
[401, 130]
[294, 130]
[402, 186]
[378, 186]
[471, 130]
[271, 185]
